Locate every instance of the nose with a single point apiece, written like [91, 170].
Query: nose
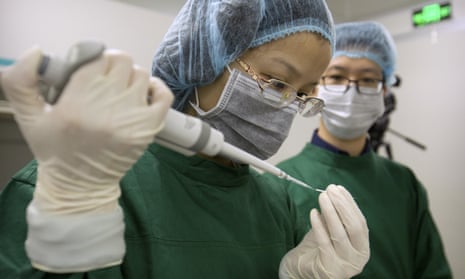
[352, 82]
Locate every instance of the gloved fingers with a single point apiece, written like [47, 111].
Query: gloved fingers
[120, 68]
[351, 216]
[159, 99]
[321, 235]
[150, 100]
[111, 73]
[138, 87]
[81, 86]
[335, 226]
[20, 84]
[338, 232]
[319, 231]
[160, 95]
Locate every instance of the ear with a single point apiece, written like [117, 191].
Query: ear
[385, 90]
[315, 90]
[312, 93]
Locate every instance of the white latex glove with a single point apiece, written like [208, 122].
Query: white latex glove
[84, 144]
[336, 247]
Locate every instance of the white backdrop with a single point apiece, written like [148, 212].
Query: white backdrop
[55, 25]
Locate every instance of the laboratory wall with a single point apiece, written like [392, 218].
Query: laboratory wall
[430, 101]
[55, 25]
[430, 110]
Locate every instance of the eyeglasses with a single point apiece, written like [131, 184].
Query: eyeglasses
[281, 94]
[340, 84]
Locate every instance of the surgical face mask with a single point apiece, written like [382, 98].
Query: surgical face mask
[350, 115]
[246, 120]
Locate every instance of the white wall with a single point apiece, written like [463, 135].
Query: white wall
[431, 110]
[57, 24]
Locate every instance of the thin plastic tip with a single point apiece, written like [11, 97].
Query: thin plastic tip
[305, 185]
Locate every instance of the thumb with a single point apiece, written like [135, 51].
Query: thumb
[160, 100]
[20, 83]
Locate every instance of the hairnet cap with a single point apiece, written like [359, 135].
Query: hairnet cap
[207, 35]
[369, 40]
[284, 17]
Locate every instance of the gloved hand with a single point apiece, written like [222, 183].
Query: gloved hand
[336, 247]
[83, 144]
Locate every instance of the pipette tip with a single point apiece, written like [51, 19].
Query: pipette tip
[298, 182]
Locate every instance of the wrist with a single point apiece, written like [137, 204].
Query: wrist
[63, 192]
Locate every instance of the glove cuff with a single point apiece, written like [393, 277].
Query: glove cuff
[76, 242]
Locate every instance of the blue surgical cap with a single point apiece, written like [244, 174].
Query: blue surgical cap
[369, 40]
[207, 35]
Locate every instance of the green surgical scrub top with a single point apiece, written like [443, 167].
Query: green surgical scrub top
[404, 240]
[185, 217]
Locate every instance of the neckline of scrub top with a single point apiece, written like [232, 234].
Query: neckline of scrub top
[318, 141]
[337, 160]
[201, 169]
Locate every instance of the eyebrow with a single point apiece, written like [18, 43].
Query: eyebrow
[289, 67]
[363, 70]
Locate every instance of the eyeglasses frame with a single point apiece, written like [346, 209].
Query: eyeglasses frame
[357, 87]
[260, 80]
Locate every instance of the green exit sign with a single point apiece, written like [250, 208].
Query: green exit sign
[431, 14]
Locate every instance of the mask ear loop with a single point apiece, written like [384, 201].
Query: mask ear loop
[196, 95]
[196, 92]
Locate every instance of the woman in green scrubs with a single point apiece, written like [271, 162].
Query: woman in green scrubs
[97, 203]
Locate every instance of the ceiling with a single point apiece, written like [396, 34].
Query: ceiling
[343, 10]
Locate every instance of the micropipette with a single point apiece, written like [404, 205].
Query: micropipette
[182, 133]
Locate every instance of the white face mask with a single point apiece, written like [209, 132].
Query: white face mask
[246, 120]
[350, 115]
